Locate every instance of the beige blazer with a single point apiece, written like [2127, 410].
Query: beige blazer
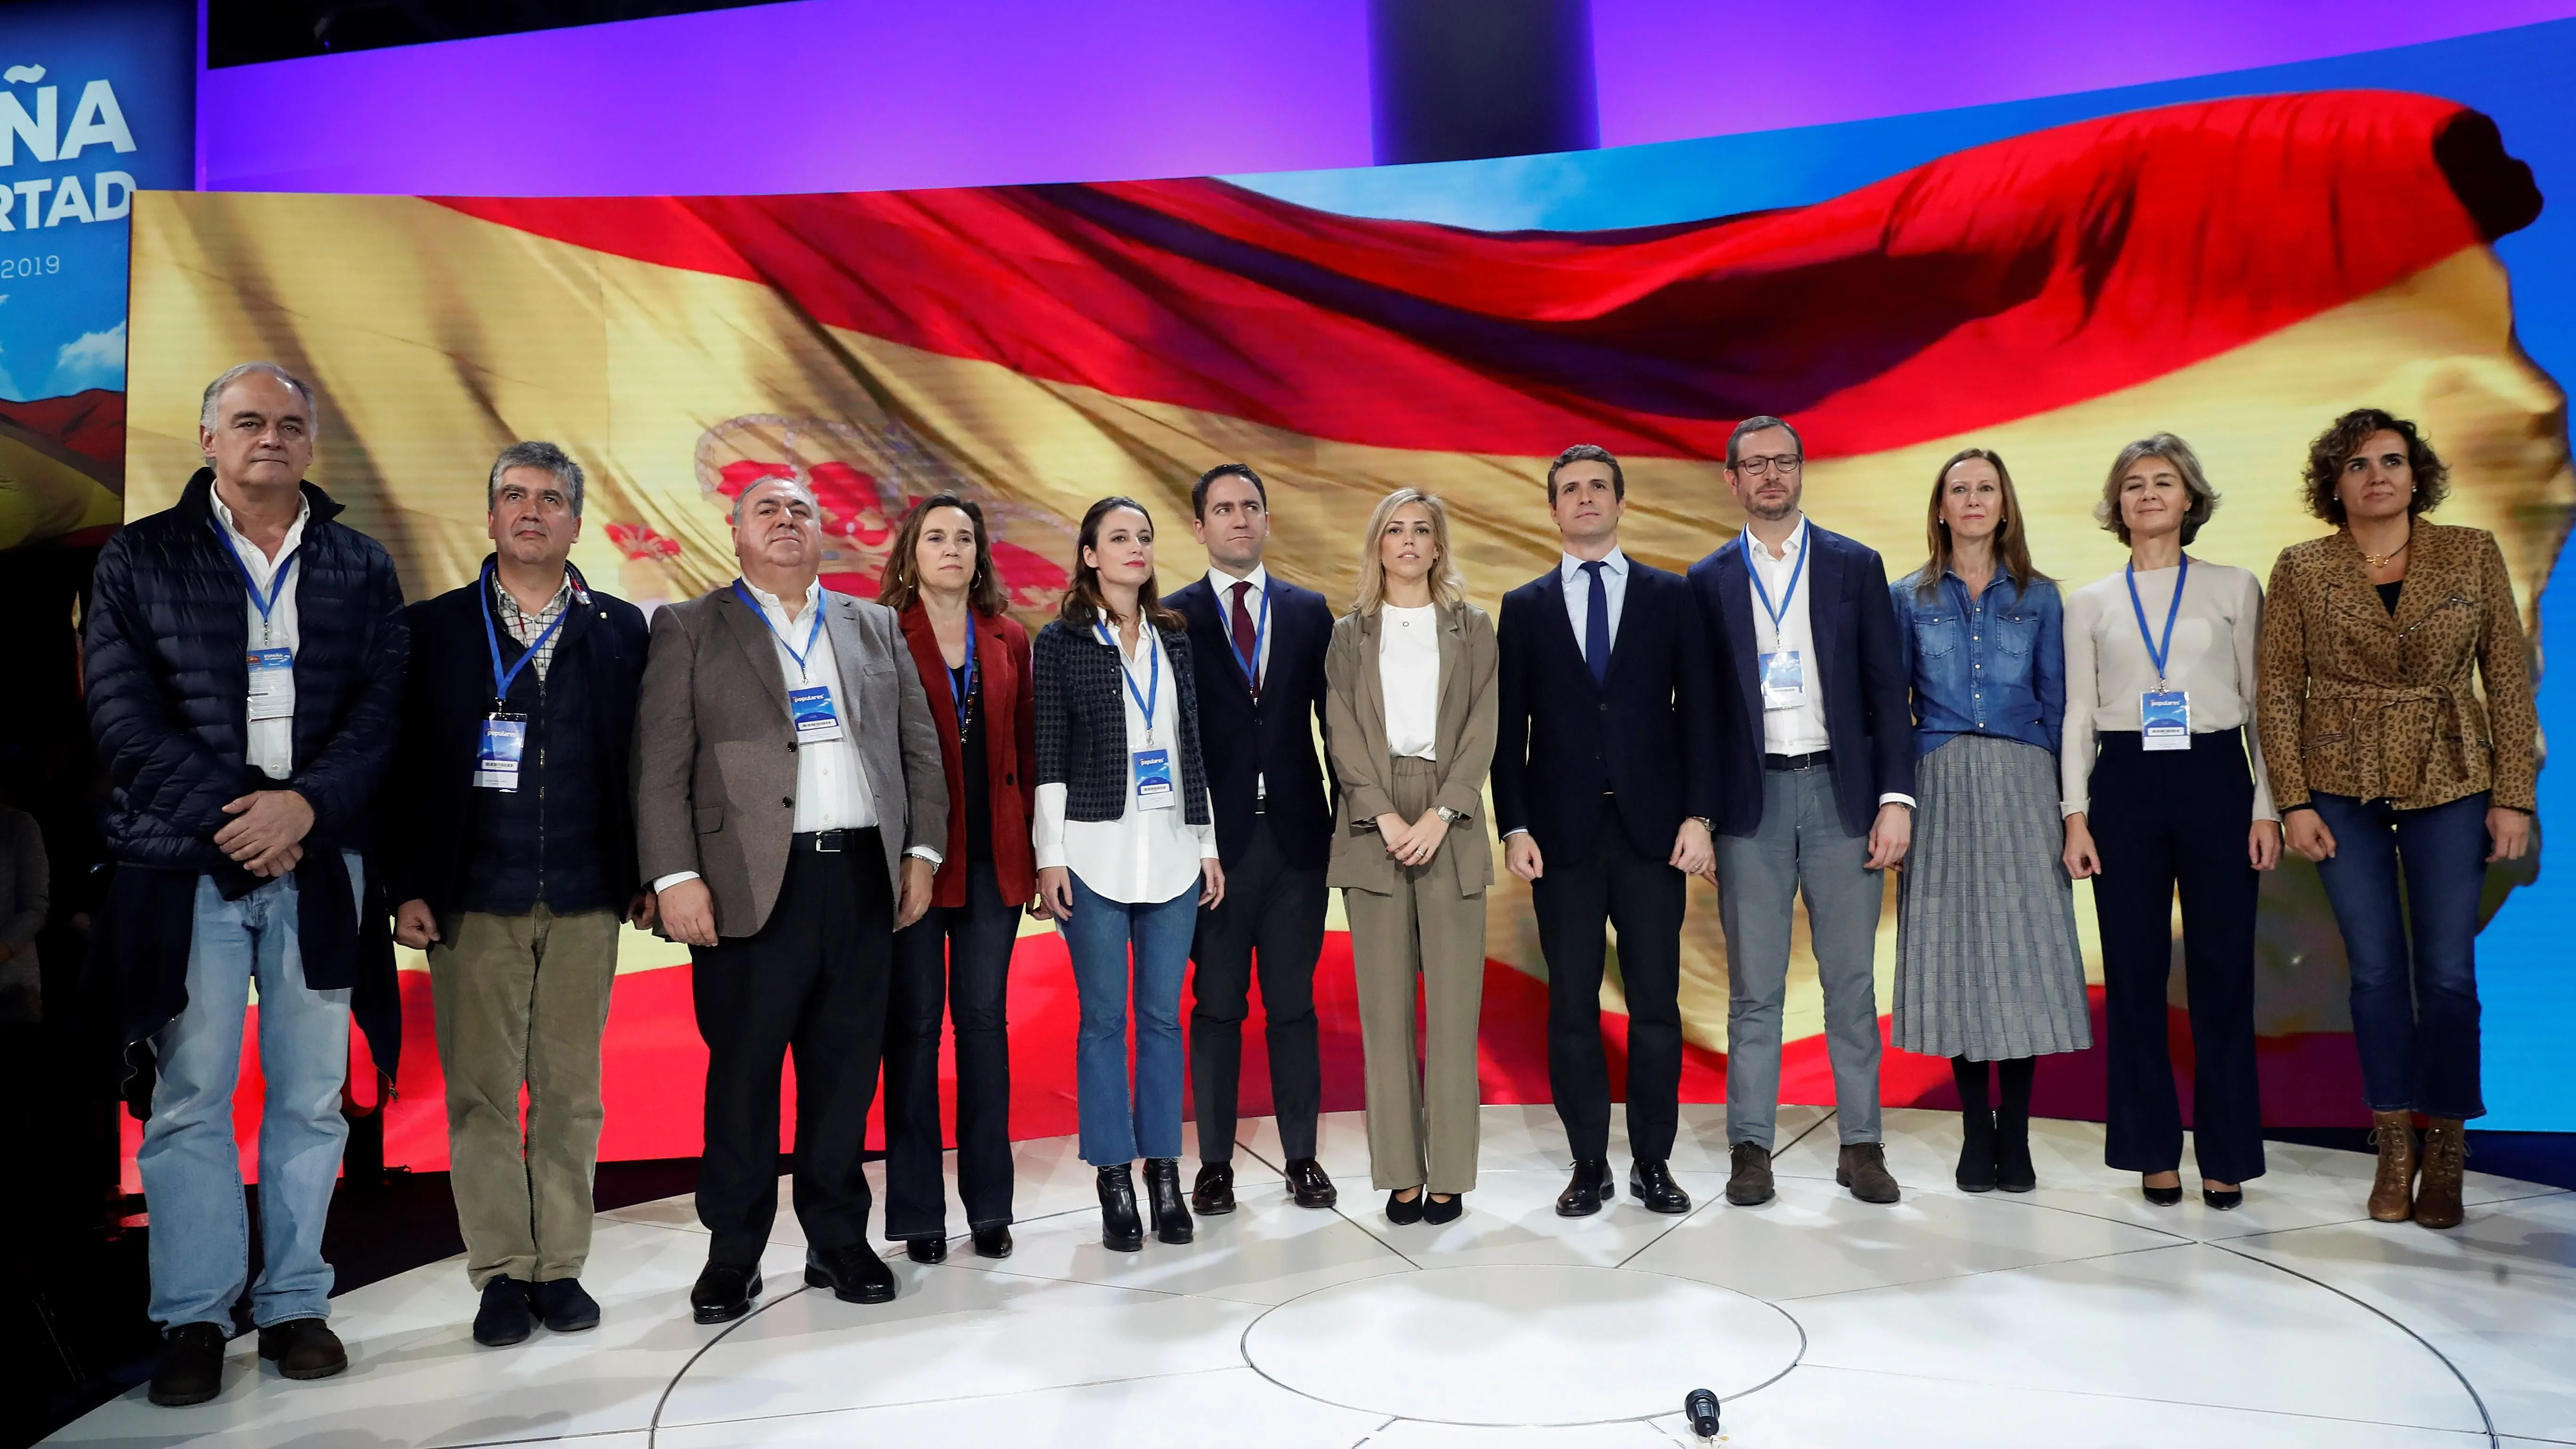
[1355, 737]
[715, 750]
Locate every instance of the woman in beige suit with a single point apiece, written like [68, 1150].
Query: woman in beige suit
[1409, 709]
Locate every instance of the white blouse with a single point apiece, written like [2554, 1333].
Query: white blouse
[1408, 678]
[2108, 667]
[1144, 857]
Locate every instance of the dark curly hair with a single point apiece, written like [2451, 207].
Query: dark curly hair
[2336, 445]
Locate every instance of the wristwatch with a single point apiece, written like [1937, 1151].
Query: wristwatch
[1452, 816]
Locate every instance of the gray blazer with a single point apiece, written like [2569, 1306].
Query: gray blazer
[1355, 738]
[715, 751]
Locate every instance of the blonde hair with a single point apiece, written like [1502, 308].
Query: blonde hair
[1447, 587]
[2195, 485]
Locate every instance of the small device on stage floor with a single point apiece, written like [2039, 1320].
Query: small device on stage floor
[1701, 1409]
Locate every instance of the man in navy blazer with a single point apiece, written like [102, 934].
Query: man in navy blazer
[1257, 646]
[1604, 790]
[1815, 779]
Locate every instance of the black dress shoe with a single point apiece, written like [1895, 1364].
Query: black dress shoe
[1436, 1211]
[1750, 1181]
[1163, 1196]
[303, 1348]
[503, 1319]
[1650, 1182]
[191, 1369]
[993, 1242]
[724, 1292]
[2161, 1196]
[1213, 1193]
[1121, 1231]
[926, 1250]
[1308, 1187]
[854, 1273]
[1404, 1212]
[2227, 1201]
[1585, 1190]
[564, 1306]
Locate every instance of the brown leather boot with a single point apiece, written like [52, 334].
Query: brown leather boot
[2437, 1195]
[2392, 1192]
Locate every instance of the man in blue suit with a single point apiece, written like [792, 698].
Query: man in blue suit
[1815, 779]
[1604, 790]
[1257, 644]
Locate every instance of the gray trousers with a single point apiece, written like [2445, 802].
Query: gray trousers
[1799, 846]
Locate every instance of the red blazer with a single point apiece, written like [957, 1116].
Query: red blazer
[1002, 662]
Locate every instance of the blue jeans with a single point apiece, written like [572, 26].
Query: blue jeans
[192, 1169]
[2414, 1013]
[1118, 1128]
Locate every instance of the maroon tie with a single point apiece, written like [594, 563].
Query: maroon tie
[1247, 643]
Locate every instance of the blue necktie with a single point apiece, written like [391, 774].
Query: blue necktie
[1596, 624]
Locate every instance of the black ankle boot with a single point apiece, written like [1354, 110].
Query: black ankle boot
[1120, 1231]
[1163, 1193]
[1977, 1151]
[2013, 1170]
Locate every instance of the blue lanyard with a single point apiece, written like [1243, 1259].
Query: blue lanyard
[1260, 630]
[1796, 571]
[793, 652]
[503, 678]
[1153, 659]
[276, 581]
[958, 693]
[2158, 653]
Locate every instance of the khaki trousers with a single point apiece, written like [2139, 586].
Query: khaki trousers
[523, 1001]
[1422, 1113]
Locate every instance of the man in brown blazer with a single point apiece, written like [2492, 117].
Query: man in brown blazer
[790, 808]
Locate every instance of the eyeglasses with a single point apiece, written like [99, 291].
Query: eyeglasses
[1780, 465]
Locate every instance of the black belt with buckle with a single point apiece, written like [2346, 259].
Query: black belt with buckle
[1797, 762]
[825, 842]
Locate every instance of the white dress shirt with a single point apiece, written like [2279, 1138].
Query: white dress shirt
[1408, 678]
[1144, 857]
[2215, 637]
[1798, 729]
[832, 791]
[1578, 594]
[269, 744]
[1223, 584]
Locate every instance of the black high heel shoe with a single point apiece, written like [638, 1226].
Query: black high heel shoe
[1120, 1229]
[2161, 1196]
[1163, 1195]
[1401, 1212]
[2227, 1201]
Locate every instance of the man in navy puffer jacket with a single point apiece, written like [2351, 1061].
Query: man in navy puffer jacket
[245, 659]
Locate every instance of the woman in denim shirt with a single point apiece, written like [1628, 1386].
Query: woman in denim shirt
[1987, 965]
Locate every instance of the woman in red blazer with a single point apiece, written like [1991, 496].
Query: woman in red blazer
[974, 661]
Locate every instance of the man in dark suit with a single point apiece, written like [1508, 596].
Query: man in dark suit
[513, 860]
[1815, 779]
[1604, 793]
[1257, 647]
[791, 806]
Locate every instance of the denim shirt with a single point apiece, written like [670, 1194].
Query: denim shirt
[1992, 665]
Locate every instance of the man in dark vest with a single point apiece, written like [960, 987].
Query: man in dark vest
[512, 853]
[1257, 643]
[244, 663]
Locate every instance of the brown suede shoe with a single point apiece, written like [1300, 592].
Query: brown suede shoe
[1750, 1183]
[2437, 1193]
[2392, 1191]
[1863, 1168]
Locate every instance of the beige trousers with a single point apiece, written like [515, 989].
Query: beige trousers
[1422, 1112]
[523, 1000]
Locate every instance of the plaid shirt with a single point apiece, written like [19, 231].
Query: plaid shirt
[525, 627]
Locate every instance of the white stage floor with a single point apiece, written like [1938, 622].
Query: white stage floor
[2075, 1315]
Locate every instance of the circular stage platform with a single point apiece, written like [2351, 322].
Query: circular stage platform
[2075, 1315]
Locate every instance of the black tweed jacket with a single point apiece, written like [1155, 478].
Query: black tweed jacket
[1082, 722]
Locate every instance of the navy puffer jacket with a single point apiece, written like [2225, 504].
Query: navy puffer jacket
[168, 633]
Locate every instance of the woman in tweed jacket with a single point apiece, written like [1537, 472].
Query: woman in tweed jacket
[2385, 763]
[1126, 853]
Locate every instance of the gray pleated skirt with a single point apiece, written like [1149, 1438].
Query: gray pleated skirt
[1987, 963]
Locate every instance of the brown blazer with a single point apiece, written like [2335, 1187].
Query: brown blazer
[1355, 738]
[1010, 751]
[715, 752]
[2356, 702]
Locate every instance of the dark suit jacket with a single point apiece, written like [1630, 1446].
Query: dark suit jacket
[1643, 735]
[446, 695]
[715, 750]
[1245, 742]
[1869, 720]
